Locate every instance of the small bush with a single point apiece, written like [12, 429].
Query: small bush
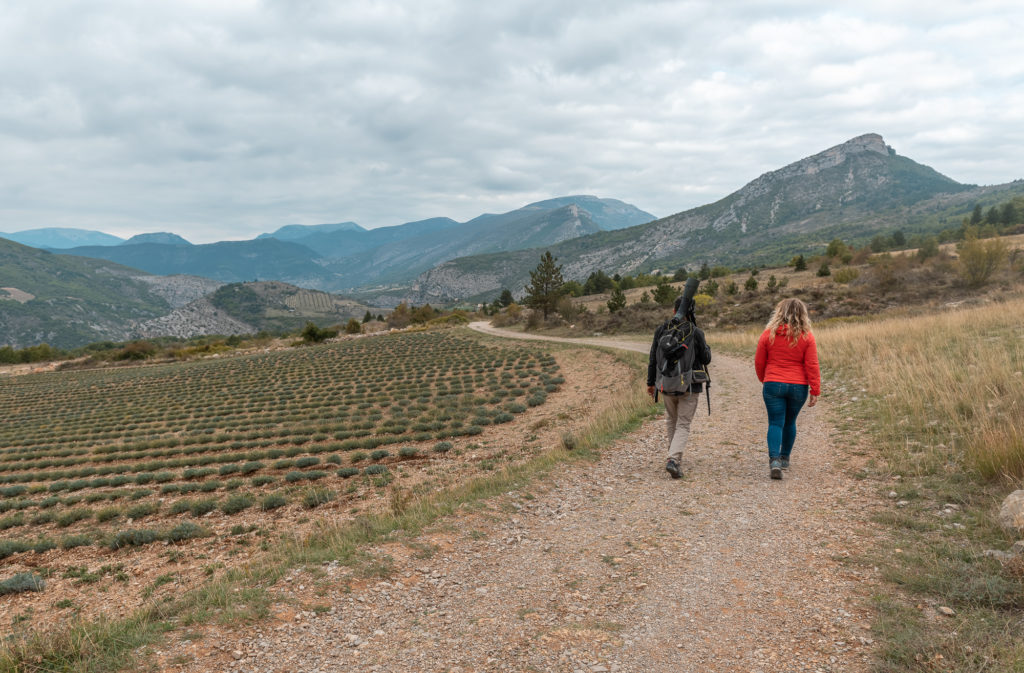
[236, 503]
[358, 456]
[43, 544]
[201, 507]
[407, 452]
[141, 510]
[65, 519]
[108, 514]
[375, 469]
[251, 466]
[133, 538]
[307, 461]
[22, 582]
[273, 501]
[442, 447]
[185, 530]
[229, 468]
[380, 454]
[262, 480]
[845, 275]
[72, 541]
[347, 472]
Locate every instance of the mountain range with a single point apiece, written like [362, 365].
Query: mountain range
[343, 256]
[852, 191]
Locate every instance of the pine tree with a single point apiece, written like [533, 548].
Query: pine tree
[617, 302]
[505, 298]
[545, 288]
[800, 264]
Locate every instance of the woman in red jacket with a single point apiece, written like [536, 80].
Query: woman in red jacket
[787, 365]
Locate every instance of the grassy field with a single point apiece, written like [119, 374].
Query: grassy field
[939, 400]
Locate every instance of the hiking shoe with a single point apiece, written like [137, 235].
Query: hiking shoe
[785, 463]
[672, 467]
[776, 468]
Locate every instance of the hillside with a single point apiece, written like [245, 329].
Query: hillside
[69, 301]
[227, 261]
[60, 238]
[853, 190]
[335, 257]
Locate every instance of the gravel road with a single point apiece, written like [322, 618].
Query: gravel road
[607, 566]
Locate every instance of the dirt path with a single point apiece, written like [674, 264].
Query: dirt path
[610, 566]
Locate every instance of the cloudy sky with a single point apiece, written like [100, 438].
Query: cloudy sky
[221, 119]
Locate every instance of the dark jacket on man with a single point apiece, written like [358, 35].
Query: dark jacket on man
[701, 358]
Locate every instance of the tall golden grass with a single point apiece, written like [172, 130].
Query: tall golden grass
[948, 387]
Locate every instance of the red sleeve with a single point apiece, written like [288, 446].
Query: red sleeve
[811, 367]
[761, 356]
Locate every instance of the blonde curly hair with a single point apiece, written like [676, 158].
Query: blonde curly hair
[793, 313]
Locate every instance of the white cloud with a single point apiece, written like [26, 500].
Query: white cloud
[222, 119]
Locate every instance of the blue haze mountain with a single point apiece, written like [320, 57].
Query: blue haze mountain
[58, 238]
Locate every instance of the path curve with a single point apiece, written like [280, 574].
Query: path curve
[613, 566]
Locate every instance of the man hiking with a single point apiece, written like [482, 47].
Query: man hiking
[677, 370]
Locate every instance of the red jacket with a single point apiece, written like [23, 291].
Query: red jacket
[783, 362]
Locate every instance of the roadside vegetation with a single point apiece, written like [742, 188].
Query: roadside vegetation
[936, 402]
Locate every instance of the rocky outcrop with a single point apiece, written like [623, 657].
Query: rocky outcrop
[180, 290]
[197, 318]
[1011, 514]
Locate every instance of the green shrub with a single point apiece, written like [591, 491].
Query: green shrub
[8, 547]
[43, 545]
[380, 454]
[515, 408]
[273, 501]
[186, 530]
[307, 461]
[236, 503]
[108, 514]
[209, 486]
[72, 541]
[170, 488]
[262, 480]
[251, 466]
[845, 275]
[42, 518]
[142, 510]
[334, 459]
[408, 452]
[133, 538]
[358, 456]
[65, 519]
[347, 472]
[442, 447]
[22, 582]
[229, 468]
[201, 507]
[375, 469]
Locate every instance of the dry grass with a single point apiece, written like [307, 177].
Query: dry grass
[949, 386]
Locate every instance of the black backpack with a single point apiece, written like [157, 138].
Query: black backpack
[675, 357]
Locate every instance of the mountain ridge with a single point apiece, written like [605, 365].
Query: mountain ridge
[861, 184]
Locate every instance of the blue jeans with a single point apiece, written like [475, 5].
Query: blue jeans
[783, 402]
